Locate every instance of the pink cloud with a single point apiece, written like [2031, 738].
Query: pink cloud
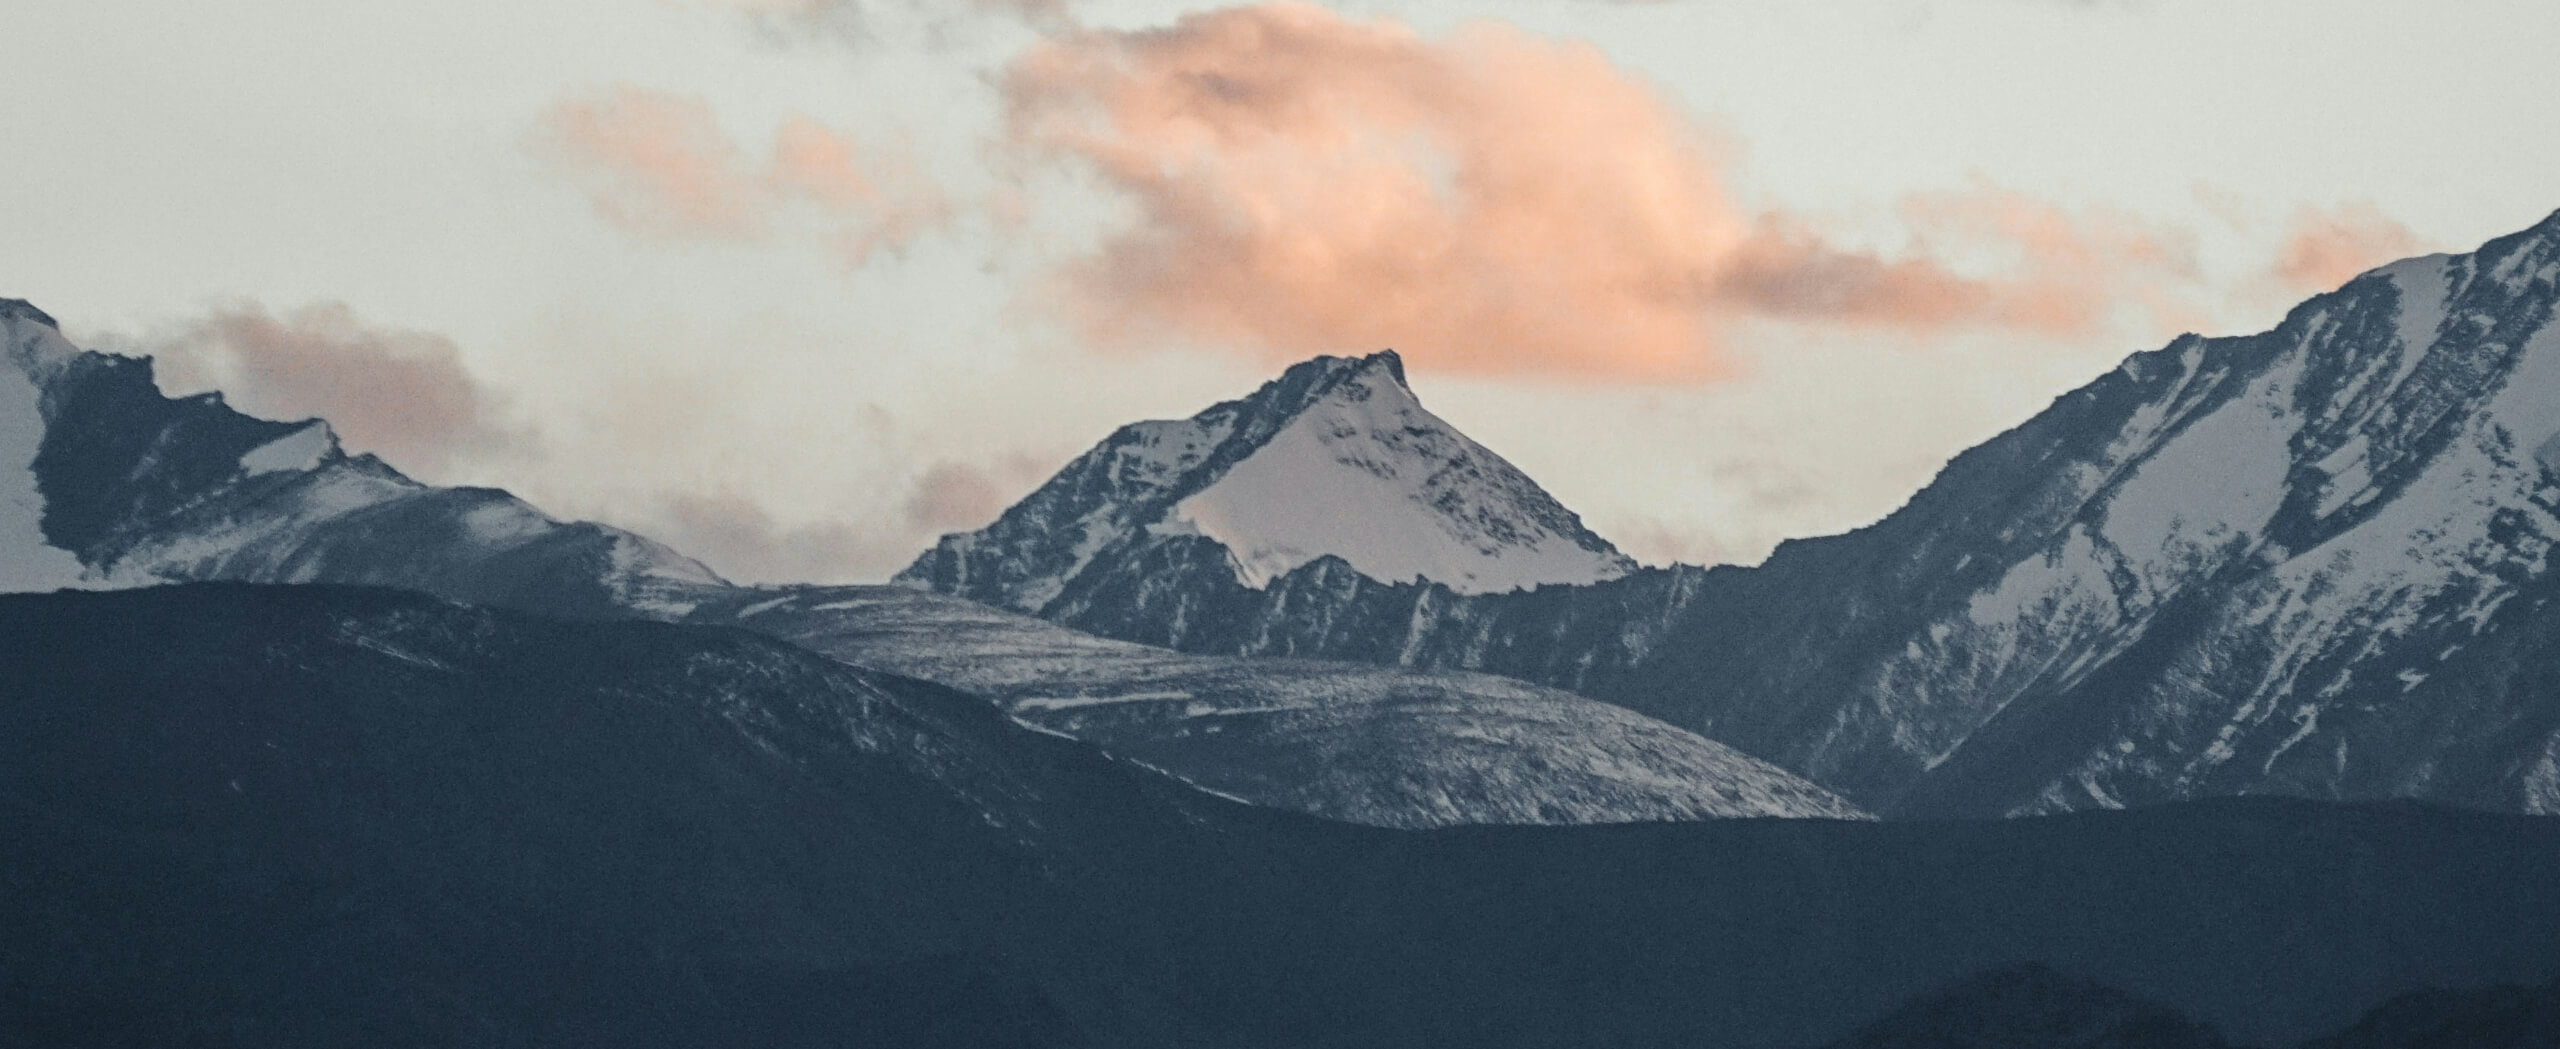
[1304, 182]
[655, 164]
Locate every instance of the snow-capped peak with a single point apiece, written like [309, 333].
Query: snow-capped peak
[1364, 473]
[1336, 458]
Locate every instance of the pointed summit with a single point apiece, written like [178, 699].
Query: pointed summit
[21, 309]
[1334, 459]
[1311, 380]
[1386, 359]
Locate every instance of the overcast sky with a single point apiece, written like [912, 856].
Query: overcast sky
[797, 284]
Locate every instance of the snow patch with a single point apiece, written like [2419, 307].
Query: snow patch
[2350, 475]
[762, 607]
[506, 522]
[2220, 479]
[2422, 284]
[301, 451]
[2542, 782]
[1035, 704]
[2031, 588]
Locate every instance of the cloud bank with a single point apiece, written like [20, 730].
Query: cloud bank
[1492, 201]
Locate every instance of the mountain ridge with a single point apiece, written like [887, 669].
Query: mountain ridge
[131, 487]
[141, 487]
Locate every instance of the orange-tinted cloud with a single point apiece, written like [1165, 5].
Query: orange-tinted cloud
[1490, 200]
[403, 394]
[2325, 249]
[655, 164]
[659, 165]
[2064, 270]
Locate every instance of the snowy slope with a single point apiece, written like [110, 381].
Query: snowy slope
[1336, 458]
[2273, 546]
[30, 349]
[1366, 475]
[1346, 741]
[2228, 567]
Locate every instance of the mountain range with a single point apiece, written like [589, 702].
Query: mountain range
[2312, 561]
[125, 486]
[1308, 721]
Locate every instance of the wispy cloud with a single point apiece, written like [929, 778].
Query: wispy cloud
[659, 165]
[2325, 247]
[654, 163]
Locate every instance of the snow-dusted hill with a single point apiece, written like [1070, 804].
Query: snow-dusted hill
[1334, 459]
[2312, 561]
[1348, 741]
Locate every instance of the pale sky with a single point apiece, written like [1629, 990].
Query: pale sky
[778, 281]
